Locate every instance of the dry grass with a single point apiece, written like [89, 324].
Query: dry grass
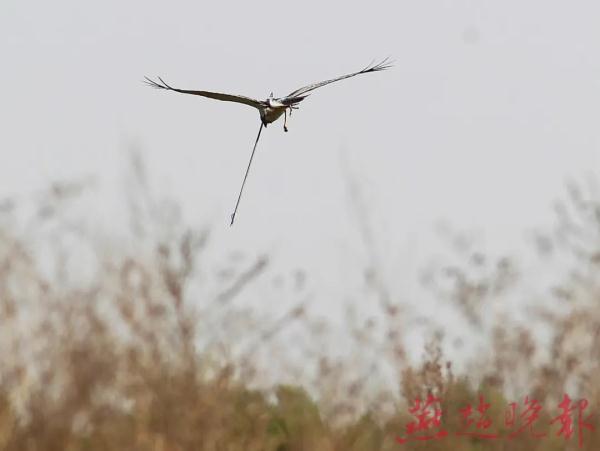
[126, 361]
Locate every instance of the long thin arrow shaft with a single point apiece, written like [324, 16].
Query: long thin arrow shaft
[246, 175]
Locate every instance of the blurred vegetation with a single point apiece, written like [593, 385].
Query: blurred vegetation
[135, 344]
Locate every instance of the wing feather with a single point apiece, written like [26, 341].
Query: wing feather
[211, 95]
[383, 65]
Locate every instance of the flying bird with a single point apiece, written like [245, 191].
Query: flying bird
[270, 109]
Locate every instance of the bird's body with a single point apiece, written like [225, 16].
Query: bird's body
[272, 111]
[271, 108]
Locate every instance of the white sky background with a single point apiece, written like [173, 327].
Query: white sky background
[489, 107]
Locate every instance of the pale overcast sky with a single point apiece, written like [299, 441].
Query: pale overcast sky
[489, 107]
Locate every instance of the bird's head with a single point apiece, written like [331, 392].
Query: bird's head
[270, 99]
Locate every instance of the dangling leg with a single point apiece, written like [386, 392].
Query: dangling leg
[246, 174]
[285, 120]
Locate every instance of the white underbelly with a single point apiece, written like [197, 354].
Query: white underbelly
[272, 114]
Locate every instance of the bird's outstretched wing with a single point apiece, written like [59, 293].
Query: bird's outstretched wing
[211, 95]
[383, 65]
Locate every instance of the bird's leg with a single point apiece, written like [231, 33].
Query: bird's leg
[285, 120]
[246, 174]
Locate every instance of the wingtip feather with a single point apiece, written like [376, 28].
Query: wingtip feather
[385, 64]
[157, 85]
